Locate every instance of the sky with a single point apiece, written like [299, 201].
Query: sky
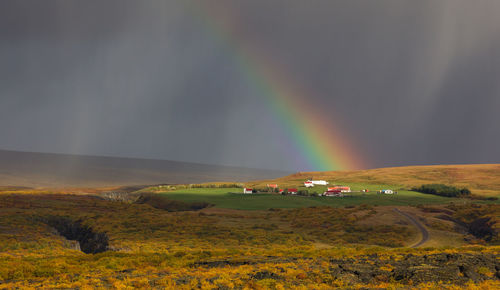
[401, 82]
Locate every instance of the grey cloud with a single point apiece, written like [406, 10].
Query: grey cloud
[414, 82]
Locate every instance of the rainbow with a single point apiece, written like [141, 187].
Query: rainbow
[320, 144]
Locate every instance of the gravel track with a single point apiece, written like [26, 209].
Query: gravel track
[416, 223]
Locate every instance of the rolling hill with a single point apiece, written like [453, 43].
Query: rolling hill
[482, 179]
[61, 170]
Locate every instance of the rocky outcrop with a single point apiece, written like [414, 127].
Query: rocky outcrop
[413, 269]
[89, 241]
[449, 268]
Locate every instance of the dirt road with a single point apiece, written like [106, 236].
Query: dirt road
[415, 222]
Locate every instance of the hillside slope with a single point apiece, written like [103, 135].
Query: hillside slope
[480, 178]
[61, 170]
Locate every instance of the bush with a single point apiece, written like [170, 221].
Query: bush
[218, 185]
[303, 192]
[442, 190]
[161, 202]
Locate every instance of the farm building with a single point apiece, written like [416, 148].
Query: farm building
[272, 185]
[337, 193]
[340, 188]
[292, 191]
[319, 182]
[247, 190]
[387, 191]
[312, 183]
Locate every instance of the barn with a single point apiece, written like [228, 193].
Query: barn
[340, 188]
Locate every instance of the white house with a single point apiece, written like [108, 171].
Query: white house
[308, 183]
[247, 190]
[318, 182]
[387, 191]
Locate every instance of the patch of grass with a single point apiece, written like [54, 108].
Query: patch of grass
[229, 198]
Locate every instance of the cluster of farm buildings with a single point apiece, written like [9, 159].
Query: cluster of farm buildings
[336, 190]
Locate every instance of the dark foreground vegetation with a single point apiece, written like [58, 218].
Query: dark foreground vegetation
[303, 248]
[480, 220]
[442, 190]
[406, 269]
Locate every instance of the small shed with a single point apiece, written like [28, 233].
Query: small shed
[292, 191]
[247, 190]
[336, 192]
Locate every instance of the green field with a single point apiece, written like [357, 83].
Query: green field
[232, 198]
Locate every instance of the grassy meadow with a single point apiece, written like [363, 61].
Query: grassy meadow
[232, 198]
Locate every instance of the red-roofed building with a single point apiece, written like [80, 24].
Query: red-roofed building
[247, 190]
[272, 185]
[292, 190]
[337, 191]
[340, 188]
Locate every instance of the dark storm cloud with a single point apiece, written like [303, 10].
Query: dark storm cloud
[415, 82]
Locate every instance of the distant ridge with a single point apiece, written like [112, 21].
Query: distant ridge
[65, 170]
